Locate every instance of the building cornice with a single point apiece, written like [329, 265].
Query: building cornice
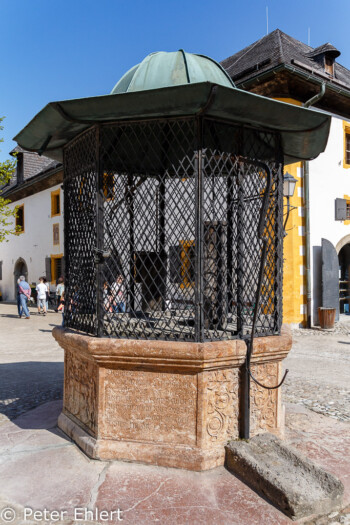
[298, 69]
[333, 86]
[35, 184]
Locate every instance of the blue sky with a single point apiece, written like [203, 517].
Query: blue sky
[60, 49]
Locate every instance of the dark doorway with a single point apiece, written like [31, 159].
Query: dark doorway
[330, 277]
[344, 275]
[20, 269]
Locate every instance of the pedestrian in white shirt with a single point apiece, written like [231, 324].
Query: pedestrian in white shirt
[47, 294]
[59, 291]
[41, 295]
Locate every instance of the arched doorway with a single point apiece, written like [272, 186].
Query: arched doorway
[345, 240]
[20, 269]
[344, 276]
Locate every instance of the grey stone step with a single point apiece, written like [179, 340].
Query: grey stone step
[293, 483]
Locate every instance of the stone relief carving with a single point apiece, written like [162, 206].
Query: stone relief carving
[222, 405]
[80, 389]
[150, 406]
[263, 402]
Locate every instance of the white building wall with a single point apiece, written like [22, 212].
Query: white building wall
[35, 244]
[328, 181]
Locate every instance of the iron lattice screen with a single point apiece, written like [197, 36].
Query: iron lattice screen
[161, 230]
[80, 230]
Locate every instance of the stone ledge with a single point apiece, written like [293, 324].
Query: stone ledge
[173, 354]
[272, 347]
[145, 353]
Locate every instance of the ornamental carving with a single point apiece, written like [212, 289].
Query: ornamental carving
[150, 406]
[263, 402]
[80, 389]
[222, 405]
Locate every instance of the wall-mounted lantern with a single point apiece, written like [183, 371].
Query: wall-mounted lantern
[289, 183]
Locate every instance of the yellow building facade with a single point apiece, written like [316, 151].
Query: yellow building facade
[294, 267]
[280, 67]
[294, 247]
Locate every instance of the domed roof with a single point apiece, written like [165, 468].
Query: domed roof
[163, 69]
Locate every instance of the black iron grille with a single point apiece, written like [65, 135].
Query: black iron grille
[161, 233]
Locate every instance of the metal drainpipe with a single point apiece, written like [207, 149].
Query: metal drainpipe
[307, 104]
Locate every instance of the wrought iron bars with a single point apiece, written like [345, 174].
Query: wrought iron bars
[161, 230]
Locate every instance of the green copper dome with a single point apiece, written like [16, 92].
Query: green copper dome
[159, 70]
[176, 85]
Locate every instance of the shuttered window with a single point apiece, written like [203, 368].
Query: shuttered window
[20, 219]
[55, 203]
[347, 148]
[48, 268]
[56, 234]
[329, 65]
[182, 258]
[57, 267]
[340, 209]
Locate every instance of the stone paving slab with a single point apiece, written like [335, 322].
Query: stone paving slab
[319, 365]
[323, 440]
[41, 469]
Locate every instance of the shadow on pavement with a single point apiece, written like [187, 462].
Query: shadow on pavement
[43, 417]
[26, 385]
[15, 316]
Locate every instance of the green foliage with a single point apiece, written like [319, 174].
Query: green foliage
[7, 169]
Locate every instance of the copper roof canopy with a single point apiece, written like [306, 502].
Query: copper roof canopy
[174, 85]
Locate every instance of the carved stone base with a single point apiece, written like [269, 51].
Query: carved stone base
[166, 455]
[165, 403]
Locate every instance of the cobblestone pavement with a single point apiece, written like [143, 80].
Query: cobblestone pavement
[31, 362]
[334, 518]
[319, 366]
[31, 366]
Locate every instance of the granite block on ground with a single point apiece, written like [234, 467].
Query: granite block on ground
[294, 484]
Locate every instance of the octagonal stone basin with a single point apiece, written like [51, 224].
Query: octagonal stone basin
[166, 403]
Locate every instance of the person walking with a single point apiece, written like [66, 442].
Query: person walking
[118, 295]
[24, 294]
[47, 294]
[59, 291]
[41, 297]
[19, 306]
[107, 300]
[61, 308]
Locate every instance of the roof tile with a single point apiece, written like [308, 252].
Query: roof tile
[279, 48]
